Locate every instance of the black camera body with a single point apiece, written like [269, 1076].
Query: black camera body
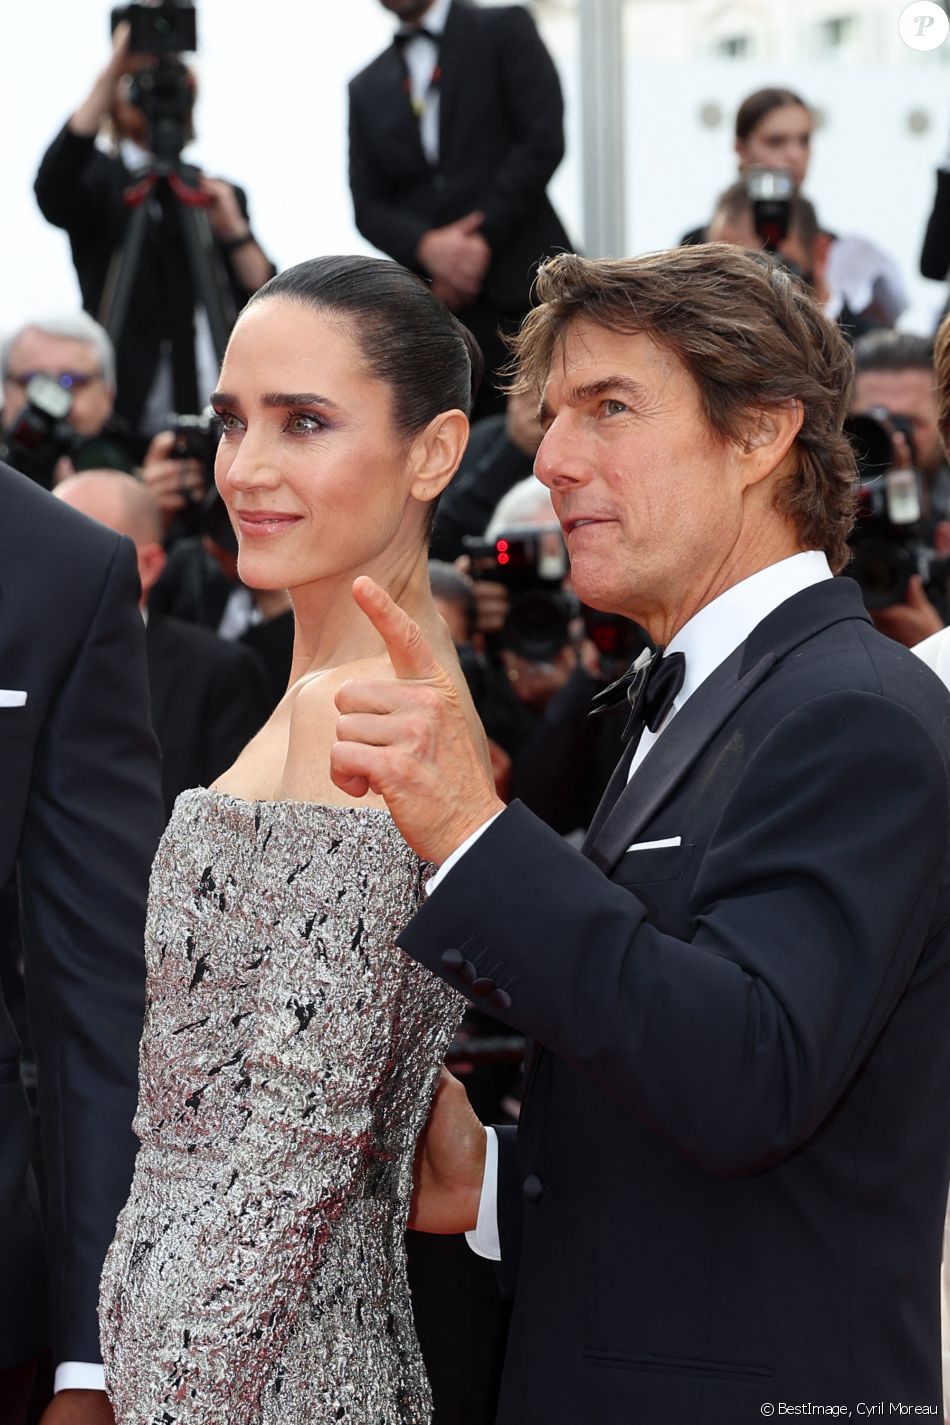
[531, 562]
[163, 91]
[165, 29]
[196, 438]
[889, 541]
[41, 434]
[771, 191]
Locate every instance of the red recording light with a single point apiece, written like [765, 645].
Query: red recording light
[503, 559]
[501, 545]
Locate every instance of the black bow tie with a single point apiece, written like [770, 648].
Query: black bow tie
[650, 686]
[402, 37]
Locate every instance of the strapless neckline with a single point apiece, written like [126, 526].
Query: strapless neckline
[216, 794]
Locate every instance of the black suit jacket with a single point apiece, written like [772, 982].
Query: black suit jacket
[935, 253]
[209, 698]
[80, 816]
[80, 188]
[730, 1177]
[500, 139]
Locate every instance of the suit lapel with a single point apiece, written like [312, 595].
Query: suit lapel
[627, 805]
[454, 63]
[395, 100]
[711, 706]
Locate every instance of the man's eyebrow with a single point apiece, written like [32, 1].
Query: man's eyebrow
[622, 385]
[581, 395]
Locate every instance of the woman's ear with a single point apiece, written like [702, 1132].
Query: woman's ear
[436, 452]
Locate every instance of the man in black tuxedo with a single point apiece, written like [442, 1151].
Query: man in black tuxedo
[208, 697]
[725, 1196]
[455, 130]
[80, 817]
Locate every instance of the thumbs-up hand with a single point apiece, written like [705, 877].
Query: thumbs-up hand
[408, 739]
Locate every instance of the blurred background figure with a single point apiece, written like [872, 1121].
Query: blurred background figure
[448, 172]
[59, 380]
[142, 108]
[208, 697]
[901, 540]
[862, 285]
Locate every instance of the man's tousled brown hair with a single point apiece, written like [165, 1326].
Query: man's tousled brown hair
[751, 337]
[942, 380]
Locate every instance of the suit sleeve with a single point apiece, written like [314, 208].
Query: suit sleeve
[237, 707]
[535, 107]
[93, 823]
[376, 208]
[808, 915]
[935, 253]
[72, 184]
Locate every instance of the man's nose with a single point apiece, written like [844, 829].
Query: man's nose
[562, 459]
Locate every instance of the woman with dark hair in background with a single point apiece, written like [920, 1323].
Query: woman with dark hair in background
[773, 129]
[291, 1051]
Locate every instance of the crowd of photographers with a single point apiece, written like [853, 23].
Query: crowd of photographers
[165, 256]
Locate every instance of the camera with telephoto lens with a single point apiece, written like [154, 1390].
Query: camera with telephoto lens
[531, 562]
[164, 91]
[889, 541]
[41, 433]
[196, 438]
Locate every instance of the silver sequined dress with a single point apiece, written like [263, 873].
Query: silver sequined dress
[288, 1062]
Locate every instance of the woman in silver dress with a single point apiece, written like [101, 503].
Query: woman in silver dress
[291, 1050]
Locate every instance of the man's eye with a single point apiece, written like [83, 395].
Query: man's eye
[614, 408]
[225, 421]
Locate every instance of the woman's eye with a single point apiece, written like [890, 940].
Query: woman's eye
[304, 423]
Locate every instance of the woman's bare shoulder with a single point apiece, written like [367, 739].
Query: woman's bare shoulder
[312, 733]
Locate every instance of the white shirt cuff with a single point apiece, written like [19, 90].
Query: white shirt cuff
[457, 855]
[78, 1375]
[485, 1241]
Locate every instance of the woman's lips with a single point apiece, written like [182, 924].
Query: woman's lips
[257, 524]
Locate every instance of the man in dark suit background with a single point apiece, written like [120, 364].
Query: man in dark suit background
[725, 1196]
[208, 697]
[455, 130]
[80, 816]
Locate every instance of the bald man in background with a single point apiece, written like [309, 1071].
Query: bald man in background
[208, 697]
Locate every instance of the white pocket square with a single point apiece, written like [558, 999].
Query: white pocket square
[11, 698]
[655, 845]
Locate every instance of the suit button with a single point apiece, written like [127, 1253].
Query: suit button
[533, 1189]
[500, 999]
[452, 959]
[467, 972]
[483, 987]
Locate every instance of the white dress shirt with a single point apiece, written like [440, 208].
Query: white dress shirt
[422, 60]
[707, 640]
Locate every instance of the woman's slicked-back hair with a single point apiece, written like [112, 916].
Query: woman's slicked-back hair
[759, 105]
[407, 338]
[751, 337]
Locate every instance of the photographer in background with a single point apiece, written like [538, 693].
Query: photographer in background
[773, 131]
[499, 454]
[545, 659]
[58, 398]
[80, 187]
[905, 507]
